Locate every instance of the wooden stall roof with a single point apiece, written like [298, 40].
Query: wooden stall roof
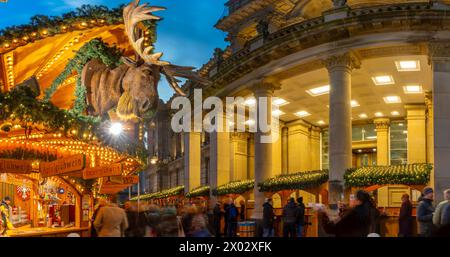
[47, 57]
[295, 181]
[161, 194]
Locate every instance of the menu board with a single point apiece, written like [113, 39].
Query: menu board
[103, 171]
[15, 166]
[62, 166]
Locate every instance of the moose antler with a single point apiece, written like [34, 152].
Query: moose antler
[132, 15]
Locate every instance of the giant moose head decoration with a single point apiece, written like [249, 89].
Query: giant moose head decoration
[133, 86]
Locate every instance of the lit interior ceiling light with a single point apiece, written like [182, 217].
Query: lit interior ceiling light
[277, 113]
[321, 122]
[383, 80]
[355, 103]
[250, 101]
[302, 114]
[280, 101]
[250, 122]
[319, 90]
[395, 113]
[392, 99]
[405, 131]
[413, 89]
[378, 114]
[359, 151]
[363, 116]
[371, 137]
[408, 65]
[374, 149]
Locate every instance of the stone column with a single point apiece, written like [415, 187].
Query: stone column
[340, 139]
[315, 148]
[440, 60]
[192, 160]
[284, 150]
[383, 149]
[417, 140]
[263, 150]
[219, 158]
[430, 131]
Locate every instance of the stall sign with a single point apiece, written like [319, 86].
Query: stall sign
[15, 166]
[105, 171]
[62, 166]
[124, 179]
[112, 188]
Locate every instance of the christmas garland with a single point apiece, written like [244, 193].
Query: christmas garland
[235, 187]
[200, 191]
[94, 49]
[21, 105]
[86, 16]
[296, 181]
[161, 194]
[411, 174]
[25, 154]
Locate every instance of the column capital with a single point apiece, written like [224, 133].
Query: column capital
[339, 3]
[344, 60]
[439, 51]
[416, 111]
[382, 123]
[265, 86]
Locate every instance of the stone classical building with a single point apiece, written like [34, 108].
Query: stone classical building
[358, 83]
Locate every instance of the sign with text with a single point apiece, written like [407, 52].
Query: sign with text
[15, 166]
[124, 179]
[62, 166]
[105, 171]
[112, 188]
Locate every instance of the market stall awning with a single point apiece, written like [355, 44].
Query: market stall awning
[295, 181]
[235, 187]
[411, 174]
[161, 194]
[200, 191]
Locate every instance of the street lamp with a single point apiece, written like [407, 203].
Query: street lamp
[116, 129]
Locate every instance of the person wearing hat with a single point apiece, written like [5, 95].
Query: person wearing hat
[5, 210]
[425, 212]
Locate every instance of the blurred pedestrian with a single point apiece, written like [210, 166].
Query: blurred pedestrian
[101, 203]
[353, 222]
[441, 216]
[268, 218]
[111, 221]
[290, 216]
[300, 216]
[405, 219]
[425, 212]
[232, 219]
[218, 213]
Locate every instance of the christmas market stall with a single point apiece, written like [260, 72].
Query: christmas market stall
[387, 184]
[311, 185]
[169, 197]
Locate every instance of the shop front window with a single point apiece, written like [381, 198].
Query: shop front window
[399, 142]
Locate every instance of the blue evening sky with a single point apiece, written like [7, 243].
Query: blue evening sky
[186, 35]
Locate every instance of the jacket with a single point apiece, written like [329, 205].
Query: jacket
[425, 217]
[301, 214]
[290, 213]
[268, 215]
[5, 212]
[353, 223]
[405, 219]
[439, 214]
[111, 221]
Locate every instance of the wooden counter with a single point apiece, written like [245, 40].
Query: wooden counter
[28, 231]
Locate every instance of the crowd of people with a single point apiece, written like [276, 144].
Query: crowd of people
[359, 219]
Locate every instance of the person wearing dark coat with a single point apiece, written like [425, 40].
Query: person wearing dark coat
[405, 219]
[217, 216]
[354, 222]
[290, 216]
[268, 218]
[300, 216]
[232, 217]
[226, 208]
[425, 212]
